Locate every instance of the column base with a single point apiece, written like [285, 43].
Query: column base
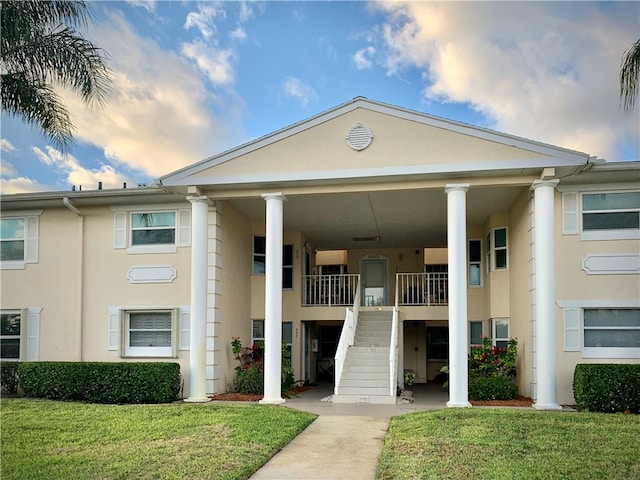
[272, 401]
[197, 400]
[451, 404]
[547, 406]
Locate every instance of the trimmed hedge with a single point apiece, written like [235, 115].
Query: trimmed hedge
[9, 378]
[607, 387]
[492, 388]
[101, 382]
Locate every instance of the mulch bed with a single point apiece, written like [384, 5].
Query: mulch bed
[245, 397]
[519, 402]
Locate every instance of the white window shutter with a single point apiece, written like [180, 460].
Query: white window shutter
[571, 330]
[114, 328]
[120, 230]
[185, 328]
[31, 240]
[184, 228]
[570, 213]
[32, 317]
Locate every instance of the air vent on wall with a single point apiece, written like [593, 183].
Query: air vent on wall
[359, 137]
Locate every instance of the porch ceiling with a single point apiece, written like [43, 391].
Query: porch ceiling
[406, 218]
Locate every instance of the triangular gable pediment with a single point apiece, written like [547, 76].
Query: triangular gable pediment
[403, 143]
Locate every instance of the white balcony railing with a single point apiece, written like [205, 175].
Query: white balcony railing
[329, 290]
[422, 289]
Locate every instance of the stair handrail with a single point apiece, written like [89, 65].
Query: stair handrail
[347, 336]
[393, 353]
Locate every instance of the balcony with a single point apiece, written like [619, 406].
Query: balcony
[329, 290]
[422, 289]
[412, 289]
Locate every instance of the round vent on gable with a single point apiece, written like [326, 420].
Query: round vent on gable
[359, 137]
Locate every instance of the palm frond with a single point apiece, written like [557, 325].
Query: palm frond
[38, 105]
[629, 73]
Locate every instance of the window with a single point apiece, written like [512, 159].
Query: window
[260, 259]
[259, 255]
[610, 215]
[611, 332]
[475, 263]
[151, 230]
[149, 332]
[257, 333]
[497, 246]
[499, 332]
[157, 228]
[10, 330]
[475, 334]
[19, 239]
[287, 266]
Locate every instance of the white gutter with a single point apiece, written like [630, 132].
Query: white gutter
[74, 209]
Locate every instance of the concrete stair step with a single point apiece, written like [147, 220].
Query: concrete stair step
[365, 368]
[375, 399]
[367, 391]
[364, 383]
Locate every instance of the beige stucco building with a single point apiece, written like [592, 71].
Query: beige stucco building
[427, 232]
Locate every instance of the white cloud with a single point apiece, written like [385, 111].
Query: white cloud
[7, 169]
[238, 34]
[20, 185]
[148, 5]
[215, 63]
[76, 174]
[203, 19]
[361, 58]
[302, 92]
[159, 116]
[6, 146]
[540, 70]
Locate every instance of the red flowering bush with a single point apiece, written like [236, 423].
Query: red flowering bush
[488, 360]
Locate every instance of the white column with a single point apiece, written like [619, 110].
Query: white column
[197, 367]
[457, 256]
[544, 254]
[273, 300]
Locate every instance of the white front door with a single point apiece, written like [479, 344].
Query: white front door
[374, 282]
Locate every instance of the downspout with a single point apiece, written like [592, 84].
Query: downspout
[74, 209]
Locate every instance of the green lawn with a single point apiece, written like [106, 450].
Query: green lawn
[57, 440]
[511, 444]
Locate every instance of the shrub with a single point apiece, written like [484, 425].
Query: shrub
[249, 377]
[9, 377]
[98, 382]
[492, 388]
[490, 361]
[607, 387]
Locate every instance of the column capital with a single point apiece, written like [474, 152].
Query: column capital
[199, 198]
[456, 187]
[545, 183]
[274, 196]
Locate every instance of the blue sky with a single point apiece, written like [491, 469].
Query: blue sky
[192, 79]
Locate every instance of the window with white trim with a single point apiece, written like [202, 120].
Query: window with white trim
[611, 332]
[476, 329]
[151, 229]
[499, 332]
[610, 215]
[19, 239]
[257, 333]
[475, 263]
[10, 334]
[260, 260]
[497, 249]
[149, 332]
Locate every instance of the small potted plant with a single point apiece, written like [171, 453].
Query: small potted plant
[409, 378]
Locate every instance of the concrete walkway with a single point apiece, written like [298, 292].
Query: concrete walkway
[345, 441]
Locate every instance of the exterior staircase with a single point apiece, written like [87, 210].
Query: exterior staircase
[365, 376]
